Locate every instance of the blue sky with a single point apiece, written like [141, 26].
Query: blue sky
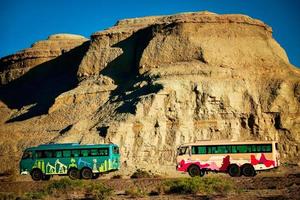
[24, 22]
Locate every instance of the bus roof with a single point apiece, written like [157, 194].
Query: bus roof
[225, 142]
[68, 146]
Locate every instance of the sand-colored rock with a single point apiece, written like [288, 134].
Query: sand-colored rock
[149, 84]
[16, 65]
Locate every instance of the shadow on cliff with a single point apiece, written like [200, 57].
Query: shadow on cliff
[41, 85]
[124, 71]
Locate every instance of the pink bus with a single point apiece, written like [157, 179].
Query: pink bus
[234, 158]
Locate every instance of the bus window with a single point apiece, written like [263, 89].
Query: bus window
[40, 154]
[27, 154]
[208, 150]
[258, 148]
[253, 148]
[58, 154]
[48, 154]
[269, 148]
[263, 148]
[201, 149]
[94, 152]
[103, 152]
[67, 153]
[242, 148]
[222, 149]
[75, 153]
[233, 150]
[85, 152]
[214, 150]
[249, 148]
[228, 149]
[194, 150]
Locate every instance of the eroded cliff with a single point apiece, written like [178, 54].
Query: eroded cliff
[150, 84]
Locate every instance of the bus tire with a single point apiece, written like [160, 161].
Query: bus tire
[248, 170]
[46, 177]
[86, 173]
[234, 170]
[73, 173]
[36, 174]
[194, 170]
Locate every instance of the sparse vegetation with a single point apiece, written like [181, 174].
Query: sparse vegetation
[206, 186]
[135, 192]
[99, 191]
[63, 185]
[34, 195]
[141, 174]
[7, 196]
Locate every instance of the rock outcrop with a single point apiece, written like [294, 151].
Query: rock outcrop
[16, 65]
[150, 84]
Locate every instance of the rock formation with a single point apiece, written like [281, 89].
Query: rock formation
[149, 84]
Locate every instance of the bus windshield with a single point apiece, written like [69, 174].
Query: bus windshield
[181, 150]
[27, 154]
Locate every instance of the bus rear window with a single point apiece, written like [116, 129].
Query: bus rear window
[116, 150]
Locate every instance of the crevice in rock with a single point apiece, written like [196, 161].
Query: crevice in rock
[252, 125]
[103, 131]
[243, 122]
[277, 121]
[66, 129]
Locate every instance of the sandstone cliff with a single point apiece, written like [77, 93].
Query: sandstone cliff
[150, 84]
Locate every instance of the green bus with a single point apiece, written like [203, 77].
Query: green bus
[72, 159]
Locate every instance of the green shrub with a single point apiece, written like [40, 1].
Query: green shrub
[140, 174]
[206, 185]
[63, 185]
[99, 191]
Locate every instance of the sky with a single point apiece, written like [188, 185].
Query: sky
[24, 22]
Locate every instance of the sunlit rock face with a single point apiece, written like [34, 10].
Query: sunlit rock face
[150, 84]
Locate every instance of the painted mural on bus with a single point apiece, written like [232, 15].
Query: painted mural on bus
[234, 158]
[76, 161]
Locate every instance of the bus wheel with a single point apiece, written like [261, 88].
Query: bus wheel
[234, 170]
[194, 170]
[248, 170]
[36, 174]
[73, 173]
[46, 177]
[86, 173]
[96, 175]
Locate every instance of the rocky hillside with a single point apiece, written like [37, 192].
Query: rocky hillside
[149, 84]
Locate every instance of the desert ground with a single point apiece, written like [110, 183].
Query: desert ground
[281, 183]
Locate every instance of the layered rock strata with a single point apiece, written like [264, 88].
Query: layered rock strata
[150, 84]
